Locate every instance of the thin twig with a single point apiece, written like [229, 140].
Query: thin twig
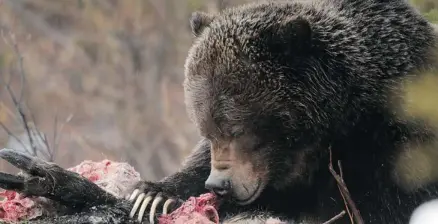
[43, 139]
[338, 216]
[18, 104]
[342, 195]
[341, 173]
[58, 140]
[23, 117]
[14, 45]
[345, 193]
[55, 133]
[20, 66]
[20, 98]
[11, 134]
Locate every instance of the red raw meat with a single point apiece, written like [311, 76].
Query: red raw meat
[196, 210]
[113, 177]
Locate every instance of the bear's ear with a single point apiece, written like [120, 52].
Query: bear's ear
[299, 29]
[199, 21]
[293, 35]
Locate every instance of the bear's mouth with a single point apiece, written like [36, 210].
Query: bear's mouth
[253, 196]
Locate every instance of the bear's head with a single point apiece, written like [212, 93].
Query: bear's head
[248, 90]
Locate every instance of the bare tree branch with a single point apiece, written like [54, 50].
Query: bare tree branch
[338, 216]
[17, 101]
[26, 117]
[344, 191]
[10, 133]
[57, 138]
[20, 99]
[343, 197]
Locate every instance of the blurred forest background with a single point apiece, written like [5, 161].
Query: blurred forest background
[103, 79]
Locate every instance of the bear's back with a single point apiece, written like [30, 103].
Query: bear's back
[377, 38]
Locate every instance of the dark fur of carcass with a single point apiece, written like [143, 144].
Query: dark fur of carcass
[77, 199]
[111, 214]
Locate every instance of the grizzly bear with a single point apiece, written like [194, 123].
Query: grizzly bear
[276, 87]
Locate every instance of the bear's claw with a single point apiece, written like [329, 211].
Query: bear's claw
[142, 200]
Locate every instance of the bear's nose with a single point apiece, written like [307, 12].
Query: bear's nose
[220, 186]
